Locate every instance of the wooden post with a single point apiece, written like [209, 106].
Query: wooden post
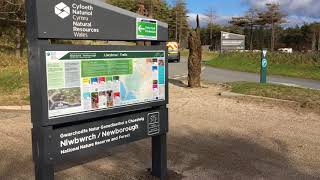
[195, 56]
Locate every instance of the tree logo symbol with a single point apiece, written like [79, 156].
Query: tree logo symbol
[62, 10]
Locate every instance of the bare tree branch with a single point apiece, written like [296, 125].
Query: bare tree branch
[9, 2]
[13, 20]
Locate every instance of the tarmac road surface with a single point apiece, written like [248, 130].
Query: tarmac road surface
[216, 75]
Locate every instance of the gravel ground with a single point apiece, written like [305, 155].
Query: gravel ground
[210, 137]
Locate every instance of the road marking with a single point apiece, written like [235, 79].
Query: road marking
[293, 85]
[286, 84]
[179, 76]
[176, 77]
[202, 69]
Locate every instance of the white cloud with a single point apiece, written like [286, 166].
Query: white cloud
[299, 20]
[306, 8]
[299, 12]
[222, 20]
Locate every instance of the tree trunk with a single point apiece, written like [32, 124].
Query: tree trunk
[319, 40]
[176, 25]
[195, 56]
[251, 37]
[314, 41]
[18, 42]
[272, 36]
[180, 31]
[262, 42]
[211, 36]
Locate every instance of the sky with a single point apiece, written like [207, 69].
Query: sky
[299, 11]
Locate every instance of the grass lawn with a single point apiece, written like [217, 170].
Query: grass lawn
[206, 55]
[245, 64]
[307, 97]
[13, 81]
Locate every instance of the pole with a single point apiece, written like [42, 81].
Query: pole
[159, 156]
[44, 169]
[264, 66]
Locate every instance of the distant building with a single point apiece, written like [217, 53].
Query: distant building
[232, 42]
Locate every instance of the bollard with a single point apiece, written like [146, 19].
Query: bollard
[264, 66]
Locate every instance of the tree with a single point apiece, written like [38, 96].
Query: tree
[273, 17]
[130, 5]
[216, 33]
[195, 57]
[253, 21]
[293, 37]
[210, 14]
[12, 16]
[315, 28]
[179, 20]
[158, 9]
[249, 21]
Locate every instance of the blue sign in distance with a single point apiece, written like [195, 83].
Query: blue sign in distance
[264, 63]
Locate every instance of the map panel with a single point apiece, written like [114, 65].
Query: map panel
[85, 81]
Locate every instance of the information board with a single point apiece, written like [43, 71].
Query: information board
[86, 99]
[85, 81]
[232, 42]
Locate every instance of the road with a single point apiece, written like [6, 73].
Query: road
[215, 75]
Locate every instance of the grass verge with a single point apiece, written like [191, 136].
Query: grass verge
[276, 67]
[206, 55]
[306, 97]
[13, 81]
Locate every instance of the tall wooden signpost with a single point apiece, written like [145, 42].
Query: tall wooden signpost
[86, 99]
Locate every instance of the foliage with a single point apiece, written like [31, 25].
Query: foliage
[178, 23]
[12, 11]
[130, 5]
[12, 24]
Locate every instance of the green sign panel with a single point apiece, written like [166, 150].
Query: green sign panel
[106, 67]
[147, 29]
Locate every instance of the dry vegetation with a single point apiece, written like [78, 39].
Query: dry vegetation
[13, 80]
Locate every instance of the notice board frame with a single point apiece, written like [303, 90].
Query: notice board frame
[38, 71]
[39, 17]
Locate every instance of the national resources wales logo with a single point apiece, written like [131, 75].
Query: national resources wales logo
[62, 10]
